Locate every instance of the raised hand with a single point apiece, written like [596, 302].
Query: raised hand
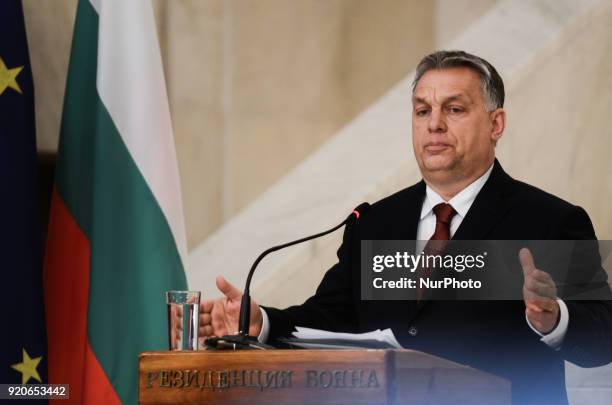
[539, 294]
[220, 316]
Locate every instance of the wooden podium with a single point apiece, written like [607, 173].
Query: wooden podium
[313, 377]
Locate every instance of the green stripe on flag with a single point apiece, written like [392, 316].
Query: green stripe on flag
[74, 172]
[134, 258]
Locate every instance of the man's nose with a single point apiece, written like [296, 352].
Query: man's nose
[436, 121]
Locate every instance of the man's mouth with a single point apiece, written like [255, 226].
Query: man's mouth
[436, 146]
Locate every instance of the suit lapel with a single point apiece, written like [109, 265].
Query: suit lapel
[407, 230]
[489, 207]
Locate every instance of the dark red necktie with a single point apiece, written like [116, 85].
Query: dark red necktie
[444, 214]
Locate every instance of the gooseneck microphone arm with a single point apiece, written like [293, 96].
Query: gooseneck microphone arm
[245, 305]
[242, 338]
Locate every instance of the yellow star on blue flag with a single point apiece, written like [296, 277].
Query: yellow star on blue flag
[27, 367]
[8, 77]
[20, 235]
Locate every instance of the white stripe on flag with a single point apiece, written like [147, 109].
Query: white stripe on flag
[132, 87]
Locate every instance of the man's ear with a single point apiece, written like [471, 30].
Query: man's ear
[498, 124]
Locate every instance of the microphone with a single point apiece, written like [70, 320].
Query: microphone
[243, 340]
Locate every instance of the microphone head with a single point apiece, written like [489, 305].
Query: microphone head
[360, 210]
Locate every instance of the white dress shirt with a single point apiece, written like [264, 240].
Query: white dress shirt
[427, 225]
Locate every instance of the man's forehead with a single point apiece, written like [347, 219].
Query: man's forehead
[429, 95]
[439, 85]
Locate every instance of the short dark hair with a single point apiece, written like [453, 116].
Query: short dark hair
[492, 85]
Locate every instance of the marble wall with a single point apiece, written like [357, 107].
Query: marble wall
[49, 26]
[558, 110]
[256, 86]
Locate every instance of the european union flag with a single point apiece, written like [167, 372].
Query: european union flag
[23, 346]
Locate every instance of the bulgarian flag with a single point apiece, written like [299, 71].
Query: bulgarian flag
[116, 236]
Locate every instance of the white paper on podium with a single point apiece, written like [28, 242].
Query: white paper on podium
[321, 339]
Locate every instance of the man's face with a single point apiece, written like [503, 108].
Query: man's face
[453, 135]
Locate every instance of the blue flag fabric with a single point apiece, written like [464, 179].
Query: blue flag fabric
[23, 352]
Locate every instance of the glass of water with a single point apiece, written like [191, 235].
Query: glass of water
[183, 319]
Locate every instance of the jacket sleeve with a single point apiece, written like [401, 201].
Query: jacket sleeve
[588, 341]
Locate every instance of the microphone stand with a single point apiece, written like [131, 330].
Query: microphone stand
[242, 340]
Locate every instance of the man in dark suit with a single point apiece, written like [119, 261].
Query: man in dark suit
[457, 119]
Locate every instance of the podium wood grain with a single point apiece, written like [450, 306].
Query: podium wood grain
[313, 377]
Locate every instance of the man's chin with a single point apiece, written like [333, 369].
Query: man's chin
[438, 164]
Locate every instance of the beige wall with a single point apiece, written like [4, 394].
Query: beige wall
[452, 16]
[193, 62]
[49, 27]
[558, 135]
[256, 86]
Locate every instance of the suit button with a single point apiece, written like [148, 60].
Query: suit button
[413, 331]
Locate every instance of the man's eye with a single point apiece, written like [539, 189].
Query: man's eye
[455, 110]
[421, 113]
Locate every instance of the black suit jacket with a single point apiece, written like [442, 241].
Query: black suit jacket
[491, 336]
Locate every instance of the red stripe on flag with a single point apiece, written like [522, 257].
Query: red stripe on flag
[98, 390]
[66, 284]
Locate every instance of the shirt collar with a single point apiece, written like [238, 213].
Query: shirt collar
[460, 202]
